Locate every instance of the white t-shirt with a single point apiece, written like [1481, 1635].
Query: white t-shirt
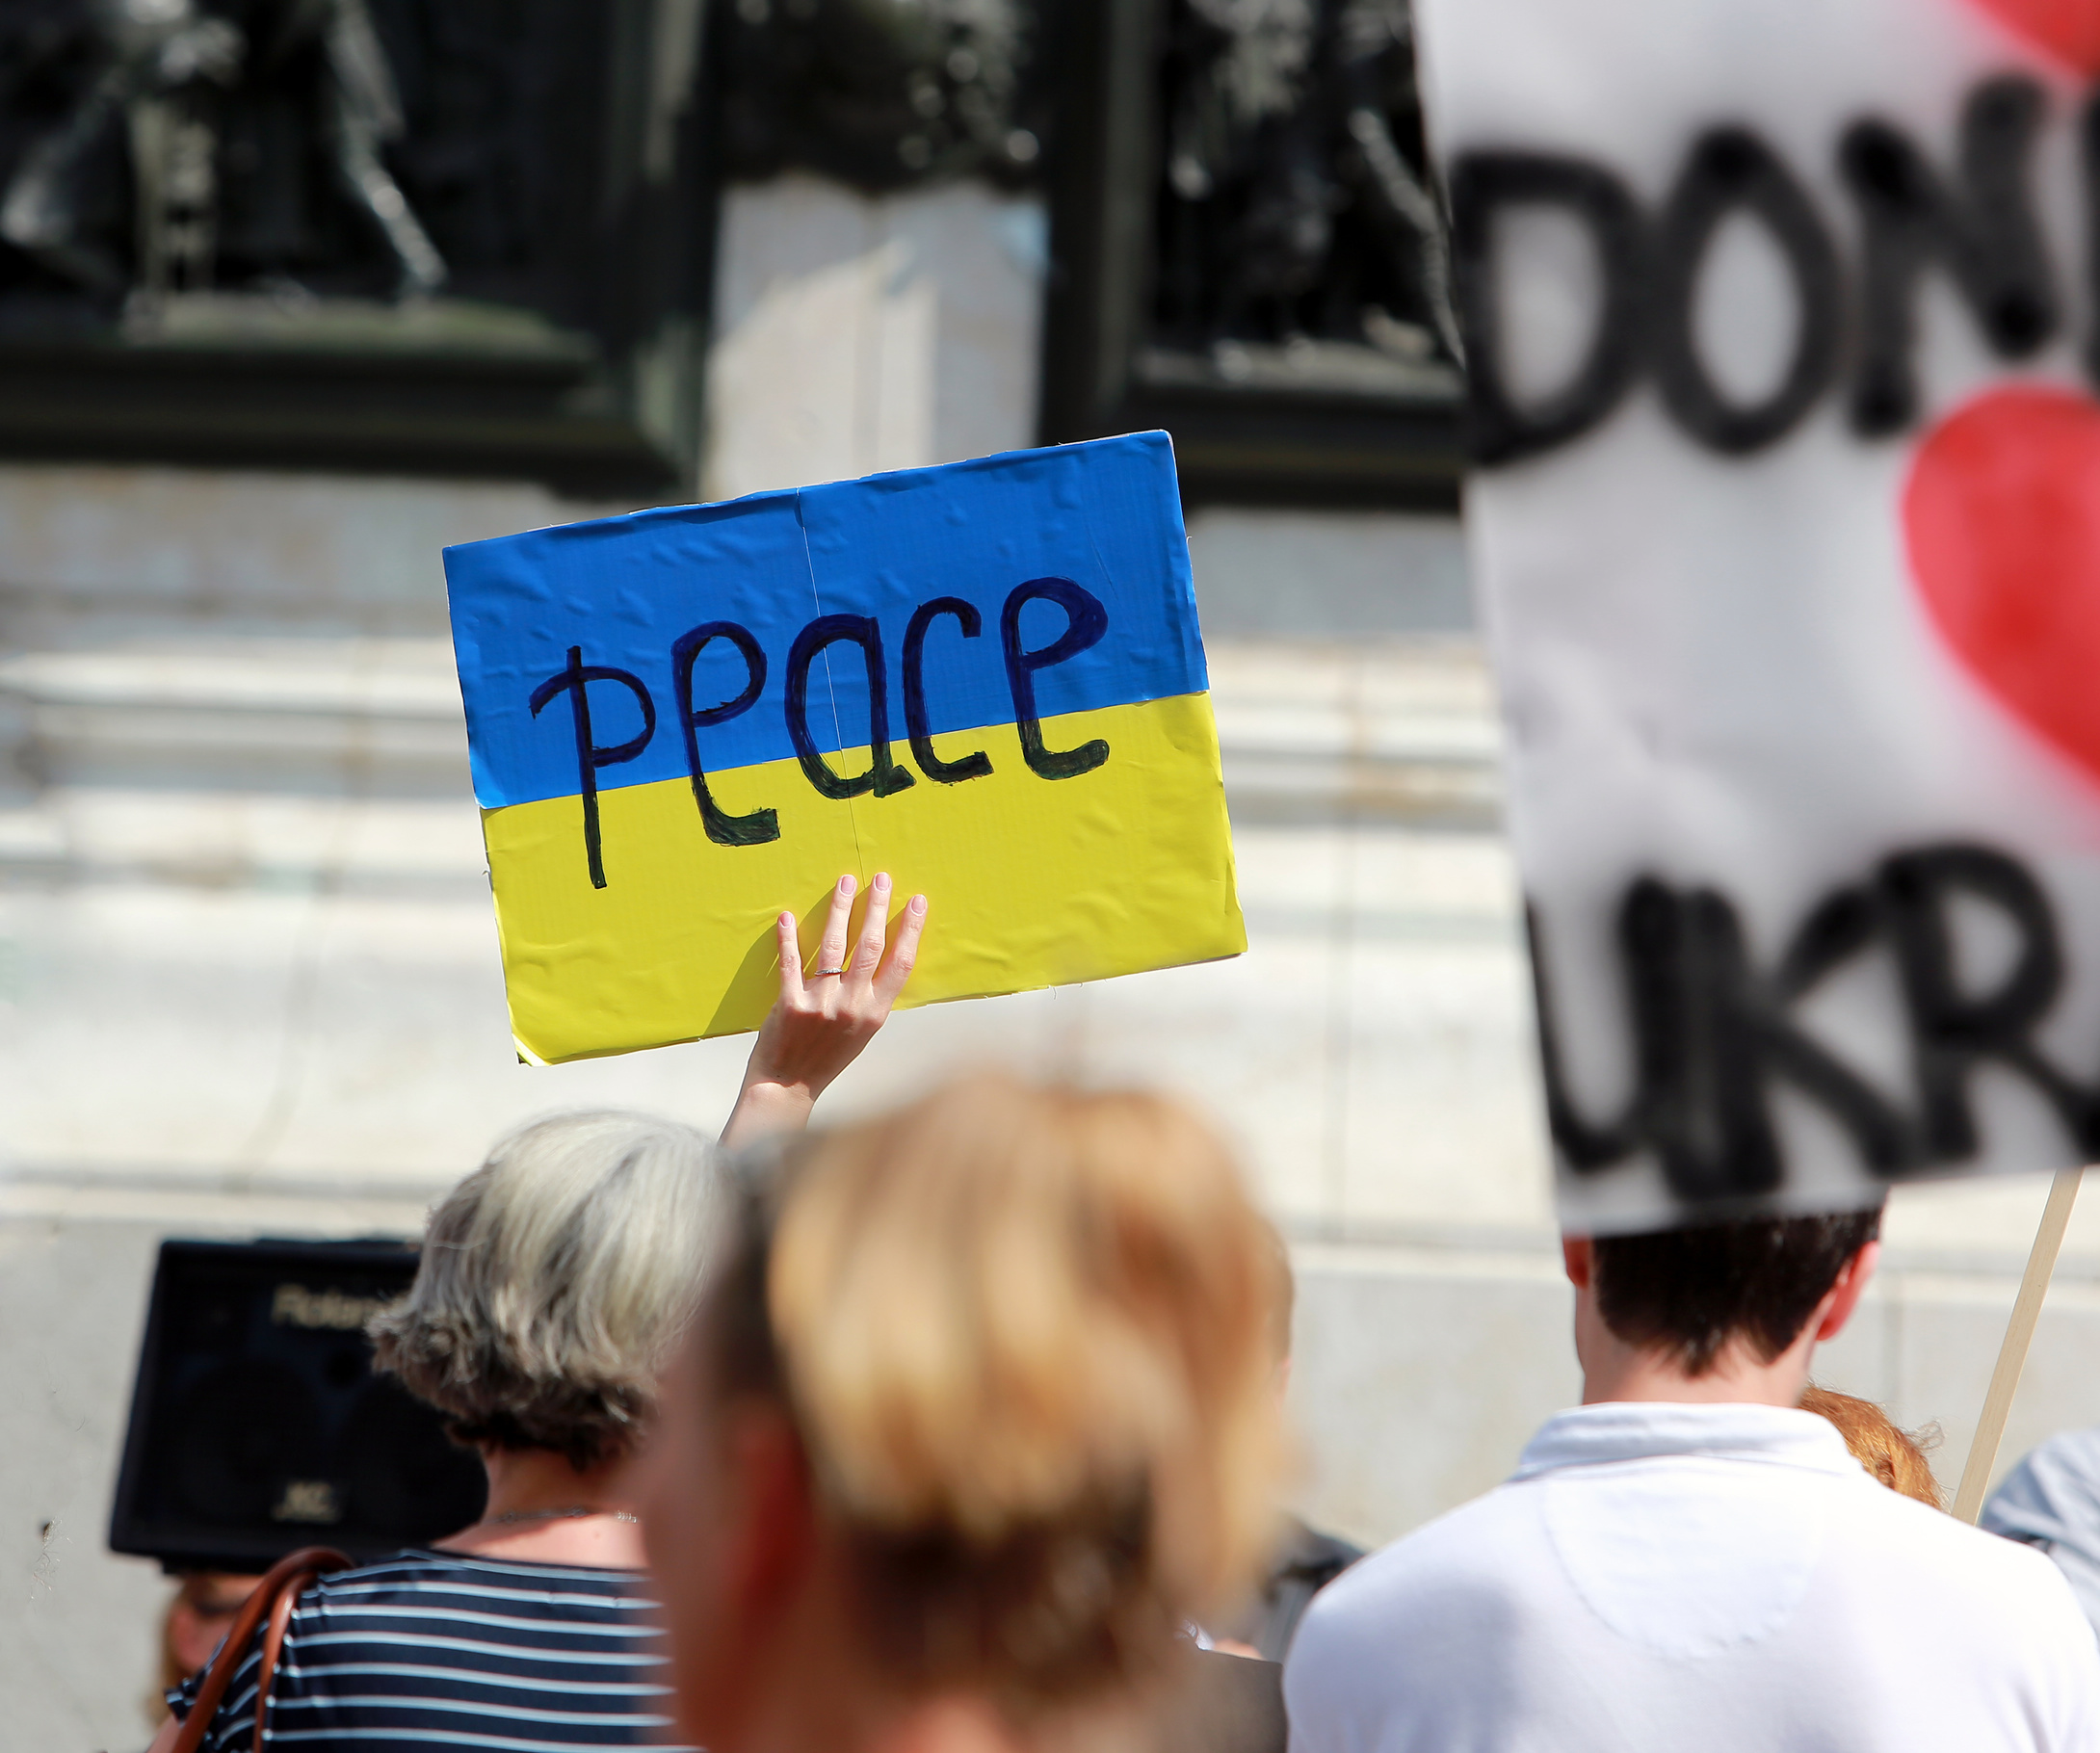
[1724, 1579]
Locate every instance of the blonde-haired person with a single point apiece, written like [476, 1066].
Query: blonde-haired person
[976, 1417]
[553, 1281]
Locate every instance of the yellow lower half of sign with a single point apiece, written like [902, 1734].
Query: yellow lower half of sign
[1031, 882]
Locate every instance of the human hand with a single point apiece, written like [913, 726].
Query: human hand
[823, 1019]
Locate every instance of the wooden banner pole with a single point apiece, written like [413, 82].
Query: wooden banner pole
[2004, 1381]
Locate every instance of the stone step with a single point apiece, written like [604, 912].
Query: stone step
[351, 716]
[1386, 730]
[220, 838]
[267, 758]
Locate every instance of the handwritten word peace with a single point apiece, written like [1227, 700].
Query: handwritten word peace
[1087, 619]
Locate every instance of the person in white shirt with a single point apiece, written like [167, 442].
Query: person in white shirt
[1688, 1560]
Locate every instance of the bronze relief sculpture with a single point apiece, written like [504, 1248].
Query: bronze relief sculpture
[166, 71]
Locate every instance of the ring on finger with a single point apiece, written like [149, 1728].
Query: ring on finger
[826, 973]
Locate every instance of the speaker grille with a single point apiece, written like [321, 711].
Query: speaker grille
[257, 1424]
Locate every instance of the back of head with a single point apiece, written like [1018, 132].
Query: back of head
[1891, 1455]
[554, 1280]
[1688, 1293]
[1025, 1336]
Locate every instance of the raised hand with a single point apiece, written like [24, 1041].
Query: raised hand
[824, 1016]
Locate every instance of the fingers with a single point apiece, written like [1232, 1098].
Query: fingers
[868, 951]
[790, 959]
[831, 949]
[904, 954]
[870, 973]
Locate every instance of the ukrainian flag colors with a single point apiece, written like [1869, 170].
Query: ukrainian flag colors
[985, 678]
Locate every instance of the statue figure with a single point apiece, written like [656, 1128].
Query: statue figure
[364, 113]
[161, 59]
[1292, 207]
[881, 94]
[168, 66]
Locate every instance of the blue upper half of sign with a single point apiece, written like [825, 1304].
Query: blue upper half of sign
[1104, 515]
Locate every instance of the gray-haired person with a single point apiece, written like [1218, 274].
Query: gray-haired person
[554, 1280]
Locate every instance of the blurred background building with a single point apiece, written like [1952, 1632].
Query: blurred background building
[292, 293]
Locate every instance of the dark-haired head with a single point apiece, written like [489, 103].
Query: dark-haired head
[1688, 1293]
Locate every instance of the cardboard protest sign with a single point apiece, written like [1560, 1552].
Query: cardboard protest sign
[1780, 323]
[985, 678]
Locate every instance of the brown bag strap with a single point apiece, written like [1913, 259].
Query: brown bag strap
[266, 1670]
[273, 1597]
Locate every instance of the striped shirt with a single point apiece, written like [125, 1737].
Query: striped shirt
[433, 1649]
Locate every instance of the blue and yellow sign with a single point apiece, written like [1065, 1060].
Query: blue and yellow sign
[985, 678]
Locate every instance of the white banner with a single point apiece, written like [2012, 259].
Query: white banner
[1783, 332]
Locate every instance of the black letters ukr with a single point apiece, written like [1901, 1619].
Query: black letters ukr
[1713, 1034]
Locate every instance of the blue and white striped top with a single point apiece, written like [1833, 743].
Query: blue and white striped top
[434, 1649]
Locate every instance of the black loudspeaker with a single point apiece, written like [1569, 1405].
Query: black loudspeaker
[257, 1426]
